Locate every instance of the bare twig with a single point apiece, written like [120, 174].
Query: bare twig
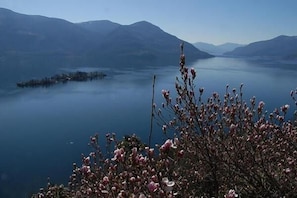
[152, 113]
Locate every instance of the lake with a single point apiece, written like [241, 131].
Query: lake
[44, 130]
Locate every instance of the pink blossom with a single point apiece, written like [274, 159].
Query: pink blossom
[87, 160]
[167, 145]
[152, 186]
[287, 170]
[181, 153]
[165, 94]
[176, 107]
[132, 179]
[233, 128]
[193, 72]
[285, 108]
[176, 141]
[134, 150]
[85, 169]
[151, 152]
[168, 184]
[154, 178]
[231, 194]
[105, 180]
[253, 100]
[154, 105]
[280, 118]
[201, 90]
[215, 94]
[142, 160]
[89, 191]
[160, 111]
[182, 60]
[142, 195]
[118, 154]
[41, 195]
[93, 140]
[261, 105]
[164, 128]
[262, 127]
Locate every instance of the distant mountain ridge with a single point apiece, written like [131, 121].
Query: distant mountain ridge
[27, 33]
[38, 41]
[281, 47]
[101, 26]
[216, 49]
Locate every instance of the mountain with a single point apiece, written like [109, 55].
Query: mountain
[143, 42]
[102, 27]
[216, 49]
[27, 34]
[38, 42]
[281, 47]
[230, 46]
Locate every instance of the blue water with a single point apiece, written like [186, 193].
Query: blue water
[44, 130]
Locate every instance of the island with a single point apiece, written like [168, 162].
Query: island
[62, 78]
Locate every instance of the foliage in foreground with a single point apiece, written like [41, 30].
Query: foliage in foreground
[221, 147]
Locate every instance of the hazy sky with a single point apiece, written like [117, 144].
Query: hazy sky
[212, 21]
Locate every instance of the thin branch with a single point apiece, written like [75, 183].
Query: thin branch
[152, 112]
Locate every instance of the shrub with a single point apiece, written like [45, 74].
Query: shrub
[221, 147]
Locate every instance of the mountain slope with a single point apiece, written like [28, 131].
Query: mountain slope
[283, 47]
[25, 33]
[143, 42]
[230, 46]
[37, 41]
[102, 27]
[216, 49]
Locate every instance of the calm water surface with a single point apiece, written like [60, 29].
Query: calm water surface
[44, 130]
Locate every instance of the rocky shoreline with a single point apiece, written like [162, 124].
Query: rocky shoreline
[62, 78]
